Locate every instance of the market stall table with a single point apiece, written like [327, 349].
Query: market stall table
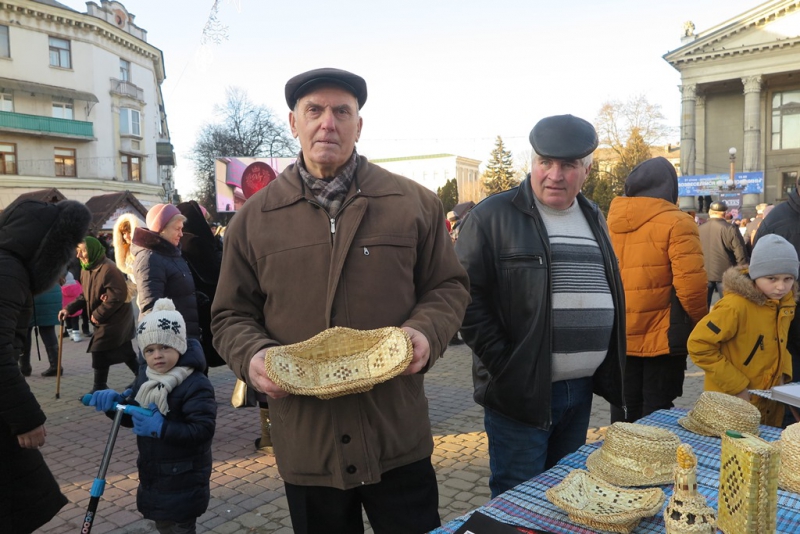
[526, 505]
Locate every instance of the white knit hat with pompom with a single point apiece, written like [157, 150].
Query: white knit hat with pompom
[162, 326]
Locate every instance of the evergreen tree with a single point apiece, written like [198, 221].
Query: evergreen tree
[448, 194]
[500, 174]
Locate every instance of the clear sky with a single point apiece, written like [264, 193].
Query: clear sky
[443, 76]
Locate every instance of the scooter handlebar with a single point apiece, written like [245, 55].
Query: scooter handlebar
[127, 408]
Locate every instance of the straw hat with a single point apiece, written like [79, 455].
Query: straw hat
[635, 455]
[789, 478]
[591, 501]
[715, 412]
[340, 361]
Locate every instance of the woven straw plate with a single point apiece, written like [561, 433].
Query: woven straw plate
[714, 413]
[591, 501]
[340, 361]
[635, 455]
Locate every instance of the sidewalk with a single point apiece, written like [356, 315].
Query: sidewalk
[246, 491]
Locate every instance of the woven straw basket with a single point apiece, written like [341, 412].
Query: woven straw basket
[340, 361]
[591, 501]
[635, 455]
[748, 485]
[789, 479]
[715, 412]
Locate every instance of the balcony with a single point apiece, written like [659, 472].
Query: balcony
[123, 88]
[165, 153]
[40, 126]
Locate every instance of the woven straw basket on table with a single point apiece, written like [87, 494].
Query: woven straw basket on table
[340, 361]
[591, 501]
[789, 445]
[635, 455]
[715, 412]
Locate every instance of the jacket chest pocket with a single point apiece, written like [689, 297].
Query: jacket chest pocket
[385, 252]
[759, 345]
[522, 277]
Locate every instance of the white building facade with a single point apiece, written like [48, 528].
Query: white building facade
[81, 108]
[432, 171]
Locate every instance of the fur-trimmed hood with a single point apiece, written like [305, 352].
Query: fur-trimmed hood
[737, 280]
[122, 250]
[43, 236]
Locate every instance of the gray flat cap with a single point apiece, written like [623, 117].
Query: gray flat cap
[304, 83]
[563, 137]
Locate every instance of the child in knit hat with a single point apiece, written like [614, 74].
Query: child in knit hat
[175, 442]
[741, 343]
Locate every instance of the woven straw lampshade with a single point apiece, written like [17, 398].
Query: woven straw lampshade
[339, 361]
[789, 478]
[715, 412]
[635, 455]
[590, 501]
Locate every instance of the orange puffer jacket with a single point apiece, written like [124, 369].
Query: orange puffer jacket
[661, 262]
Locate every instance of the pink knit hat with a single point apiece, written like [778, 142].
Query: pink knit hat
[159, 215]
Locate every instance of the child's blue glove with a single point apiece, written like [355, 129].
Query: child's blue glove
[105, 399]
[148, 426]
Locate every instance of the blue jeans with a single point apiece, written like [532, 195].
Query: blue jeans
[519, 452]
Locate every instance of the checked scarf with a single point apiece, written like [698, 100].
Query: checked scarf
[329, 192]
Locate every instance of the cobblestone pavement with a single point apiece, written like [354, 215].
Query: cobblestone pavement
[247, 493]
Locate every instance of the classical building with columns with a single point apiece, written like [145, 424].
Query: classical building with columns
[740, 89]
[81, 108]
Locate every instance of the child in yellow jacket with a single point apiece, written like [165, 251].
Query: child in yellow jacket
[741, 343]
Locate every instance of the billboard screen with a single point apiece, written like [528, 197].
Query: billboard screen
[237, 179]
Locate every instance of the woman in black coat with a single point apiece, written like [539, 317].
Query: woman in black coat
[37, 240]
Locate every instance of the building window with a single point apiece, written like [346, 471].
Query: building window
[124, 70]
[8, 158]
[65, 162]
[788, 183]
[131, 168]
[59, 53]
[62, 110]
[5, 46]
[786, 120]
[6, 102]
[129, 122]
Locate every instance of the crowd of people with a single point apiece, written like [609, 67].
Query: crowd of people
[555, 301]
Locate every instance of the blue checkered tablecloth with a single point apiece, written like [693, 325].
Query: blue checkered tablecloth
[526, 505]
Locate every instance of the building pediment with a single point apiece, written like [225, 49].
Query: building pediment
[770, 26]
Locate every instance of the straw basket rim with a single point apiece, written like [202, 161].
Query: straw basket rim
[713, 408]
[580, 489]
[339, 361]
[635, 455]
[789, 473]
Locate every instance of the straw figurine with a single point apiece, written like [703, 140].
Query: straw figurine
[687, 511]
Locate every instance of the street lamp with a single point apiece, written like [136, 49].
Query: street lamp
[731, 181]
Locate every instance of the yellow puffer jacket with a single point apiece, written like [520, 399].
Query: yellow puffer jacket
[658, 247]
[741, 343]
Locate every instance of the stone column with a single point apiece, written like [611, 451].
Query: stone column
[751, 150]
[688, 120]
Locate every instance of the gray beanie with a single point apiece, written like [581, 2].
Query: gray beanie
[773, 255]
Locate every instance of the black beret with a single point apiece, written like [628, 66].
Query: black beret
[718, 206]
[563, 137]
[302, 84]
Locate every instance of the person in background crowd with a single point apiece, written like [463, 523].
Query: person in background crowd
[547, 319]
[74, 267]
[752, 227]
[723, 248]
[43, 323]
[741, 343]
[104, 292]
[71, 290]
[367, 249]
[661, 261]
[123, 238]
[36, 242]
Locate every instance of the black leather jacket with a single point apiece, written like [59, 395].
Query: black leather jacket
[505, 249]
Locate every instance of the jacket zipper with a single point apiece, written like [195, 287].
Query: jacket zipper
[759, 343]
[333, 219]
[522, 257]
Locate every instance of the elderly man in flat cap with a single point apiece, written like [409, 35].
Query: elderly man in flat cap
[337, 241]
[547, 318]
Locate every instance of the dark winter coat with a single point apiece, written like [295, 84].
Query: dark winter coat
[784, 220]
[46, 307]
[174, 470]
[203, 253]
[161, 272]
[114, 316]
[505, 249]
[36, 241]
[723, 247]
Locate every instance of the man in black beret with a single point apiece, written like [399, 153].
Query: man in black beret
[723, 247]
[547, 318]
[337, 241]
